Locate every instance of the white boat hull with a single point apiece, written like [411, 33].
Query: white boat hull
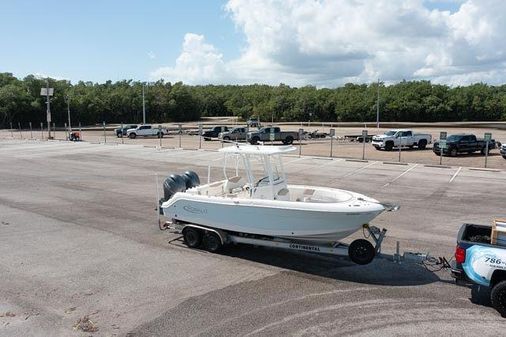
[305, 221]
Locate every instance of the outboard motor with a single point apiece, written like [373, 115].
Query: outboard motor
[179, 183]
[191, 179]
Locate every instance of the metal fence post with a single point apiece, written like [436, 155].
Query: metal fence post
[105, 137]
[180, 132]
[301, 133]
[31, 131]
[54, 130]
[400, 148]
[332, 135]
[486, 153]
[19, 128]
[41, 131]
[160, 135]
[80, 133]
[121, 133]
[364, 138]
[200, 136]
[67, 135]
[487, 137]
[12, 135]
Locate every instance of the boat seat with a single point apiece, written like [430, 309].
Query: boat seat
[308, 192]
[233, 184]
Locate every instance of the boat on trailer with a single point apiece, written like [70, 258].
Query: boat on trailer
[255, 202]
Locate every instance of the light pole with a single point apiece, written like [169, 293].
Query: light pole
[67, 98]
[48, 92]
[143, 106]
[378, 106]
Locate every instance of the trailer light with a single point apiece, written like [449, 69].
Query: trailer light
[460, 255]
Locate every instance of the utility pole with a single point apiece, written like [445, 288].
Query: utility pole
[48, 110]
[143, 106]
[378, 106]
[68, 113]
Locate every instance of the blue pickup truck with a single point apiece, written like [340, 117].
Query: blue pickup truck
[480, 262]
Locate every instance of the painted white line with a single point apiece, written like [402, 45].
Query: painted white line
[333, 161]
[358, 170]
[456, 173]
[400, 175]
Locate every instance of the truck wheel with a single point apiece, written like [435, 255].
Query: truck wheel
[504, 157]
[422, 144]
[484, 151]
[254, 140]
[226, 138]
[361, 251]
[132, 135]
[453, 152]
[389, 146]
[212, 242]
[119, 135]
[159, 134]
[288, 140]
[498, 297]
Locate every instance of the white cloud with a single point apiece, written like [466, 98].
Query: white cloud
[327, 43]
[151, 55]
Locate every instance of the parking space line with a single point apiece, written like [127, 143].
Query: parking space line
[295, 160]
[358, 170]
[400, 175]
[456, 173]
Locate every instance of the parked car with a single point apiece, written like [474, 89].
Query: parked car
[236, 134]
[146, 131]
[503, 151]
[478, 261]
[401, 137]
[253, 122]
[214, 132]
[120, 132]
[463, 143]
[264, 134]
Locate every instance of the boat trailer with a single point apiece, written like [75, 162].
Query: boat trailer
[360, 251]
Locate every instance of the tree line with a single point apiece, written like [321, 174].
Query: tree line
[121, 102]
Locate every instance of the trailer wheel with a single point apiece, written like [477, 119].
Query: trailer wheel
[361, 251]
[212, 242]
[498, 297]
[192, 237]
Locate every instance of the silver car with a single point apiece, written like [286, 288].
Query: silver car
[235, 134]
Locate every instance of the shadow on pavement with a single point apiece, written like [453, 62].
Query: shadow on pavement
[379, 272]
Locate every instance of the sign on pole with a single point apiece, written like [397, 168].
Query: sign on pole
[442, 135]
[488, 138]
[332, 135]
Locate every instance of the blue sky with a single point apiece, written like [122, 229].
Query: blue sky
[325, 43]
[110, 39]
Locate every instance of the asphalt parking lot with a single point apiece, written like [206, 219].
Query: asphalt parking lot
[80, 238]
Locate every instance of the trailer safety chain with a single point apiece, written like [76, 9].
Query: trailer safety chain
[434, 264]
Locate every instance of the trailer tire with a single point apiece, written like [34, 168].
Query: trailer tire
[212, 242]
[361, 251]
[498, 297]
[192, 237]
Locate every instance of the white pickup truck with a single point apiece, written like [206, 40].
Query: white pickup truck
[401, 137]
[146, 131]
